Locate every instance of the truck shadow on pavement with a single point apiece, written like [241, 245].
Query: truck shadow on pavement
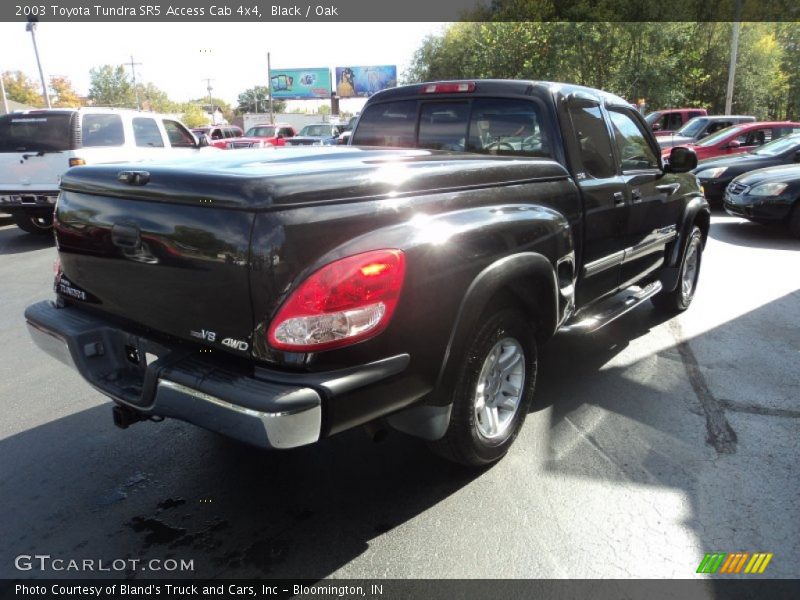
[754, 235]
[15, 241]
[77, 487]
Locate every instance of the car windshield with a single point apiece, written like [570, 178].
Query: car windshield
[720, 135]
[317, 130]
[779, 146]
[261, 131]
[35, 132]
[693, 127]
[652, 117]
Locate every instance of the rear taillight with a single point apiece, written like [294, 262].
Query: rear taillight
[76, 162]
[447, 88]
[342, 303]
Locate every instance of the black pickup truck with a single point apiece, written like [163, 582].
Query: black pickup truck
[403, 281]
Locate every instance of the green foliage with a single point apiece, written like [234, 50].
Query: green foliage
[20, 88]
[111, 86]
[256, 100]
[668, 64]
[194, 116]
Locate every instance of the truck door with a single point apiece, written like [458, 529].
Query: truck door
[654, 196]
[604, 200]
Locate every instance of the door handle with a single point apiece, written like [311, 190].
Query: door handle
[126, 236]
[668, 188]
[619, 199]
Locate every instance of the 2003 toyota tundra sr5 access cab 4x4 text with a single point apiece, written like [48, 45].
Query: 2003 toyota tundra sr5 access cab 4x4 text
[405, 281]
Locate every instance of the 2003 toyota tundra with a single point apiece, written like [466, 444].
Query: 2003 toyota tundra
[404, 281]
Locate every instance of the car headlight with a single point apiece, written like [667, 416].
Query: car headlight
[711, 173]
[768, 189]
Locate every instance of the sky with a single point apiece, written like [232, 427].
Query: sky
[178, 57]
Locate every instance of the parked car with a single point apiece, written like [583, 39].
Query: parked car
[38, 146]
[701, 127]
[739, 139]
[344, 137]
[664, 122]
[319, 134]
[218, 135]
[262, 136]
[770, 195]
[327, 288]
[717, 173]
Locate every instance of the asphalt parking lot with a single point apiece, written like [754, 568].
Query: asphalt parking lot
[651, 443]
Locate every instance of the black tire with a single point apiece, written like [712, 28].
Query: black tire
[794, 221]
[36, 224]
[464, 441]
[679, 299]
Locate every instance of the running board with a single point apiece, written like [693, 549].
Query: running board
[625, 301]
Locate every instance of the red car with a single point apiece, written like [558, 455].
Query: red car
[739, 138]
[263, 136]
[217, 135]
[665, 122]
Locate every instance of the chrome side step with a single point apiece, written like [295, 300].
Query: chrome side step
[623, 302]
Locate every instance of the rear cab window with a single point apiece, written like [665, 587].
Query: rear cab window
[36, 132]
[482, 125]
[102, 130]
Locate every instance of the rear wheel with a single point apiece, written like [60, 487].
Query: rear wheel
[36, 224]
[494, 391]
[681, 297]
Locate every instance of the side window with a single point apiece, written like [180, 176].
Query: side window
[757, 137]
[513, 127]
[782, 131]
[285, 132]
[718, 125]
[593, 140]
[102, 130]
[146, 133]
[633, 149]
[387, 124]
[693, 114]
[179, 136]
[443, 125]
[674, 121]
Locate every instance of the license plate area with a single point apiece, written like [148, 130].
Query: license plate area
[124, 366]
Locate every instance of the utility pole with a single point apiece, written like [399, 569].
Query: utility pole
[133, 73]
[208, 81]
[31, 27]
[734, 51]
[269, 84]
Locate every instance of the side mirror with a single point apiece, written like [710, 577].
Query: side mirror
[656, 126]
[202, 141]
[681, 160]
[733, 144]
[797, 156]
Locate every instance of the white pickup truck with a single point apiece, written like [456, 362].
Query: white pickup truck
[38, 146]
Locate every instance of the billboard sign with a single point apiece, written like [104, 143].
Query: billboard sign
[364, 81]
[300, 84]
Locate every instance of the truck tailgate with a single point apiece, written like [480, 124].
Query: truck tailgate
[176, 268]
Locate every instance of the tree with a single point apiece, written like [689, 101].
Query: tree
[668, 64]
[256, 99]
[20, 88]
[62, 92]
[110, 86]
[195, 116]
[152, 98]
